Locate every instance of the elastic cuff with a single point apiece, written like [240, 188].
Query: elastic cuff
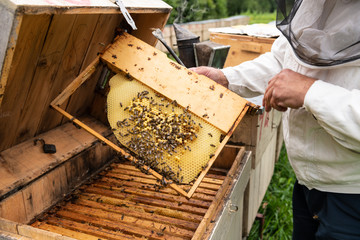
[231, 75]
[313, 93]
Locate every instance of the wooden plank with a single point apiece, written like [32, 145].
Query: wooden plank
[246, 133]
[152, 67]
[11, 26]
[219, 196]
[133, 171]
[32, 33]
[155, 195]
[143, 207]
[11, 236]
[85, 228]
[226, 156]
[8, 226]
[45, 192]
[103, 34]
[243, 48]
[124, 223]
[71, 62]
[203, 185]
[82, 166]
[143, 215]
[88, 6]
[147, 23]
[251, 47]
[147, 200]
[150, 187]
[78, 81]
[25, 204]
[24, 162]
[14, 209]
[47, 67]
[64, 231]
[39, 234]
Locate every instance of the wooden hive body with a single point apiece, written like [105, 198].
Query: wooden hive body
[45, 46]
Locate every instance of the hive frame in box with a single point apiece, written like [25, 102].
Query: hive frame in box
[84, 76]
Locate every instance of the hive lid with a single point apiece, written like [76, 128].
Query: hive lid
[83, 6]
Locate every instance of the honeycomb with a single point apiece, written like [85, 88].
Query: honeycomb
[163, 135]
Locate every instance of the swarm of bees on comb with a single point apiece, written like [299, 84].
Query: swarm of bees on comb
[160, 133]
[157, 133]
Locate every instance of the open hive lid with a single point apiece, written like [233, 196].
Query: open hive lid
[169, 116]
[82, 6]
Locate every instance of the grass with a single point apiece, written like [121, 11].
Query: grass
[277, 203]
[260, 17]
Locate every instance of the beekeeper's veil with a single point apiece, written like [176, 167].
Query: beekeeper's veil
[321, 32]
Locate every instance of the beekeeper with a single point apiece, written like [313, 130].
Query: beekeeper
[312, 74]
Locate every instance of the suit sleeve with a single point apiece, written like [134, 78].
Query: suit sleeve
[249, 79]
[337, 110]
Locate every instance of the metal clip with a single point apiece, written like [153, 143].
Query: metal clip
[232, 207]
[126, 14]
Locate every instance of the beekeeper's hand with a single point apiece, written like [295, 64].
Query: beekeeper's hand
[212, 73]
[286, 90]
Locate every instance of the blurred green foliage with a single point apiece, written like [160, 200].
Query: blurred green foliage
[236, 7]
[260, 17]
[197, 10]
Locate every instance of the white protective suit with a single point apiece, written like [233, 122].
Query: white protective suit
[322, 137]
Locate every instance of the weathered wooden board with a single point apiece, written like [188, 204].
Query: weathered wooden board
[213, 102]
[226, 157]
[24, 162]
[72, 59]
[147, 23]
[241, 166]
[40, 188]
[243, 48]
[15, 230]
[48, 68]
[103, 35]
[24, 62]
[84, 6]
[42, 52]
[14, 209]
[7, 18]
[12, 236]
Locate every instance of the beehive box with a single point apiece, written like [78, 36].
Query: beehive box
[47, 44]
[262, 134]
[243, 47]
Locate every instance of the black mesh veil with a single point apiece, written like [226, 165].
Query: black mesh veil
[324, 52]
